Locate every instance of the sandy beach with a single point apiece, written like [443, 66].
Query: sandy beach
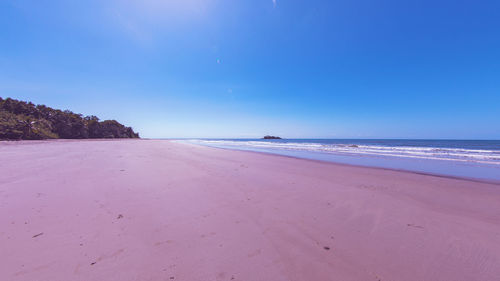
[160, 210]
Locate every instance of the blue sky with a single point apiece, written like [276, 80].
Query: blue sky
[227, 68]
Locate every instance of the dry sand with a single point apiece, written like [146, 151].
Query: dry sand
[158, 210]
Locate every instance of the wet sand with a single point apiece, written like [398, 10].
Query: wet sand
[159, 210]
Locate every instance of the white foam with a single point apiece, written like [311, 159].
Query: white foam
[434, 153]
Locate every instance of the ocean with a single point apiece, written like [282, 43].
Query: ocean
[479, 159]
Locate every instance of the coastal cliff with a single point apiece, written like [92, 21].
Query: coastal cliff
[20, 120]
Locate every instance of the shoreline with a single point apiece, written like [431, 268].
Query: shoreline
[161, 210]
[182, 141]
[472, 179]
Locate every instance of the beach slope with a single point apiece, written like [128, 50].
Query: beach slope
[161, 210]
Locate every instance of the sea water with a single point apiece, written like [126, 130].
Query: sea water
[459, 158]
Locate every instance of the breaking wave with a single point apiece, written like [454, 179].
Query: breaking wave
[483, 156]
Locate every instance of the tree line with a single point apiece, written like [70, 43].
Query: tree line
[20, 120]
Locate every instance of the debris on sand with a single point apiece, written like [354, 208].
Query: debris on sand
[416, 226]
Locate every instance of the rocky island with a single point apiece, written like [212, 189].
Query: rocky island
[271, 138]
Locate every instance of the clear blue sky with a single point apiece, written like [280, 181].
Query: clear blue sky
[227, 68]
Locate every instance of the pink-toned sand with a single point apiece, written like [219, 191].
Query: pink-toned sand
[159, 210]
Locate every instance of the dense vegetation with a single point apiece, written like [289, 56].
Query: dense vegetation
[26, 121]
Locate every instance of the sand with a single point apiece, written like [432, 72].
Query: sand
[159, 210]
